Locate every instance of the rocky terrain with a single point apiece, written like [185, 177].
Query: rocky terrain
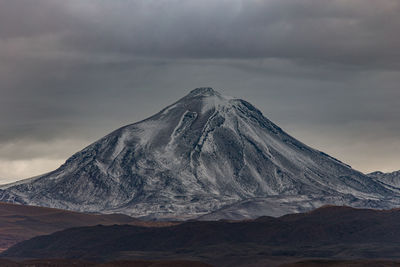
[330, 232]
[19, 222]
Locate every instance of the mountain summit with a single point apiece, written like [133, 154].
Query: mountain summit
[203, 91]
[205, 155]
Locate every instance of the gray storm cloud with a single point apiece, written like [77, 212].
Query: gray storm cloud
[356, 32]
[71, 71]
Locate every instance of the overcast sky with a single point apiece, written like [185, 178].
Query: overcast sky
[327, 72]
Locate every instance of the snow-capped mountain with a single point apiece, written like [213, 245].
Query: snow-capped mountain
[205, 153]
[390, 178]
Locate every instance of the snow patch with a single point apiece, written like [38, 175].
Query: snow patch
[148, 130]
[120, 144]
[215, 102]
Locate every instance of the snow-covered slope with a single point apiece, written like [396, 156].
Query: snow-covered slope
[204, 153]
[391, 179]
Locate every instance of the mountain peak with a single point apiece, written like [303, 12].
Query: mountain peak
[203, 91]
